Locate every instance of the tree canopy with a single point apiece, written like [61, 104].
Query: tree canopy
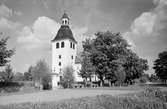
[112, 58]
[7, 75]
[5, 54]
[87, 69]
[160, 66]
[68, 77]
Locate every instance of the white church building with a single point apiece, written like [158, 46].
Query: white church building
[64, 52]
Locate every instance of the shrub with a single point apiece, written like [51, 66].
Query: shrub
[6, 75]
[8, 87]
[152, 92]
[143, 79]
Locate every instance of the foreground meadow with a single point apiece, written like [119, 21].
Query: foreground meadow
[149, 99]
[90, 98]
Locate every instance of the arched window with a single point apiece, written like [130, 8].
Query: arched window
[65, 22]
[57, 45]
[59, 56]
[59, 63]
[73, 46]
[70, 44]
[62, 44]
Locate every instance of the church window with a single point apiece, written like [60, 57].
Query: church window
[57, 45]
[65, 22]
[61, 78]
[70, 44]
[73, 46]
[59, 56]
[62, 44]
[59, 63]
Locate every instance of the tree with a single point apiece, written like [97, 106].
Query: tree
[87, 69]
[41, 74]
[18, 76]
[7, 75]
[68, 77]
[153, 78]
[134, 66]
[28, 76]
[112, 58]
[160, 66]
[5, 54]
[106, 52]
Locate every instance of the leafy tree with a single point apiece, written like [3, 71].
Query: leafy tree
[18, 76]
[153, 78]
[5, 54]
[41, 74]
[7, 75]
[28, 76]
[112, 58]
[120, 75]
[160, 66]
[68, 77]
[106, 52]
[134, 66]
[87, 69]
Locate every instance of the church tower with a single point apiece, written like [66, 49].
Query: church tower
[64, 48]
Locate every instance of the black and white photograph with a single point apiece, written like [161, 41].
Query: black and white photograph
[83, 54]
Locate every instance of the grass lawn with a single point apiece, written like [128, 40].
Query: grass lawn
[60, 94]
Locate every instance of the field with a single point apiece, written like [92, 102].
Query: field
[88, 98]
[60, 94]
[131, 97]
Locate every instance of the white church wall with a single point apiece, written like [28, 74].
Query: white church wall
[66, 55]
[66, 59]
[55, 80]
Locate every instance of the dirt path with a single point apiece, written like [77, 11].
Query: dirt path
[55, 95]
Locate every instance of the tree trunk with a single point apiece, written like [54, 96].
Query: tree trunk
[90, 79]
[110, 83]
[102, 83]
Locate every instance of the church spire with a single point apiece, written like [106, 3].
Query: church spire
[65, 19]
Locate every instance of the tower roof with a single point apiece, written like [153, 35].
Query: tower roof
[64, 33]
[65, 16]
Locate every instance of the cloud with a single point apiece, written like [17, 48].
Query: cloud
[9, 28]
[150, 23]
[5, 23]
[43, 30]
[39, 34]
[144, 24]
[7, 12]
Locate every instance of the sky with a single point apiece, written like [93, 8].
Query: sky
[32, 24]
